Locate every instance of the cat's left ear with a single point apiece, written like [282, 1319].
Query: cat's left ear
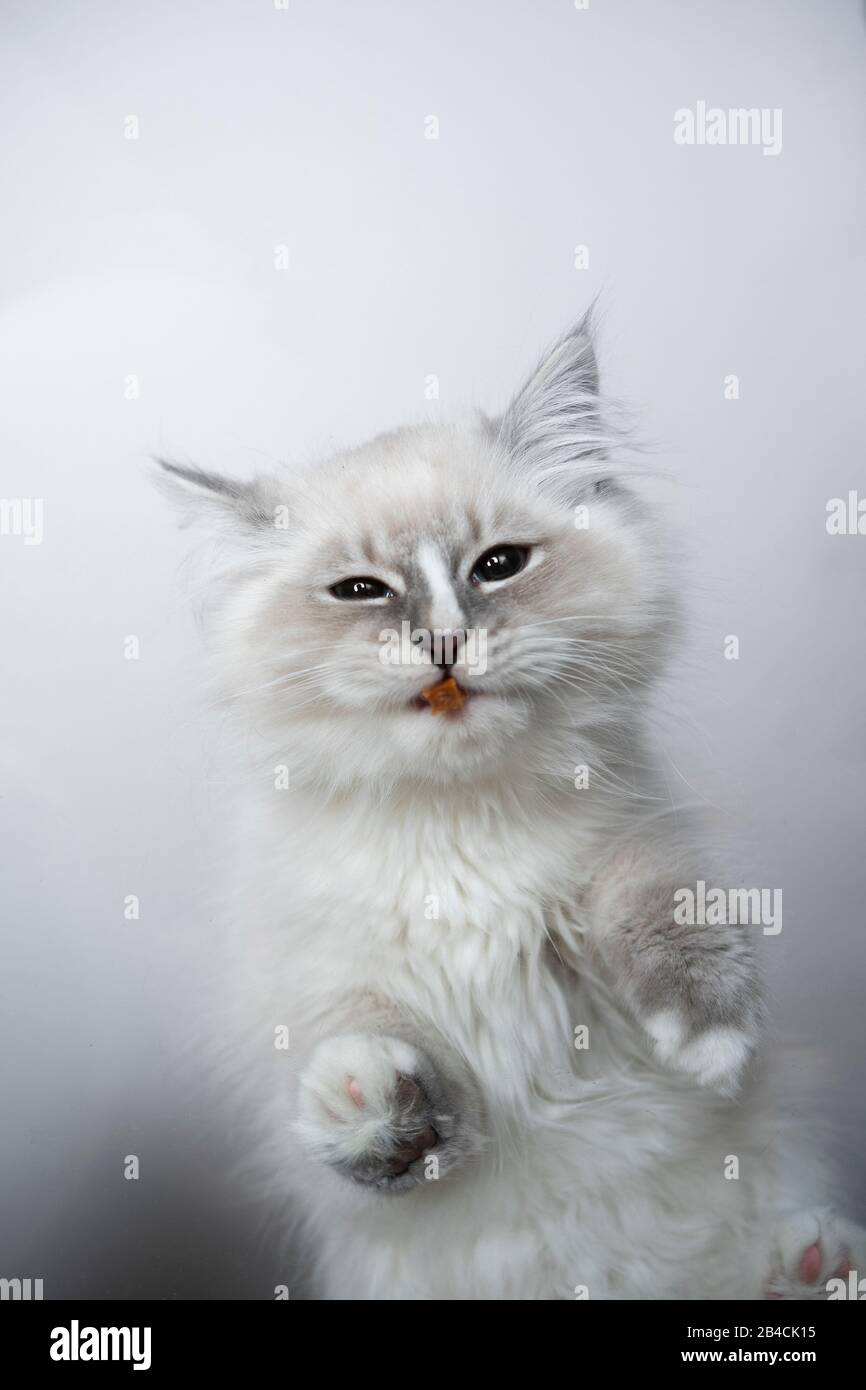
[555, 427]
[221, 503]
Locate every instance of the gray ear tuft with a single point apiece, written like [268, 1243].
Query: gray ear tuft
[200, 494]
[555, 426]
[198, 478]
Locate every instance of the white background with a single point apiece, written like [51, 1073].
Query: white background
[305, 127]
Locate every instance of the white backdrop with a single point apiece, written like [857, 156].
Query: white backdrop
[154, 258]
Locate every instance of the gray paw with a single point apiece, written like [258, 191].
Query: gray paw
[715, 1057]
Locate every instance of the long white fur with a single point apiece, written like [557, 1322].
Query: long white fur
[596, 1172]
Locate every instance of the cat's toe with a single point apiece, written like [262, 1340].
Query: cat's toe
[715, 1057]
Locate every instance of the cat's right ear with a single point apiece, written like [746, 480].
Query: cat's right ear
[557, 428]
[215, 500]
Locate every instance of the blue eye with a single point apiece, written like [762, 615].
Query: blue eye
[499, 563]
[354, 589]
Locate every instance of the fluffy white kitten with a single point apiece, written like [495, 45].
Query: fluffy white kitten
[511, 1074]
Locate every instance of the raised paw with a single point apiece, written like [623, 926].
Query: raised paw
[694, 988]
[813, 1256]
[372, 1108]
[714, 1056]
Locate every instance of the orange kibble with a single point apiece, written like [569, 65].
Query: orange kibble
[445, 698]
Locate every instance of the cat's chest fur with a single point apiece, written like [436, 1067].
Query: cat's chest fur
[459, 877]
[461, 910]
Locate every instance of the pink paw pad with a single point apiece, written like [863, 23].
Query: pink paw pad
[811, 1260]
[810, 1264]
[407, 1090]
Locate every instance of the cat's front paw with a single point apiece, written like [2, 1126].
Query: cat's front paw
[714, 1056]
[371, 1107]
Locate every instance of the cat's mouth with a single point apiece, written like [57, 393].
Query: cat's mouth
[446, 696]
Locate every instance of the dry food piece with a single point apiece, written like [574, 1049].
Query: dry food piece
[445, 698]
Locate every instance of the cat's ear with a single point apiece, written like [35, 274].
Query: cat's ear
[217, 500]
[555, 427]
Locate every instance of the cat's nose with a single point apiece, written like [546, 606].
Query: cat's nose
[443, 646]
[447, 647]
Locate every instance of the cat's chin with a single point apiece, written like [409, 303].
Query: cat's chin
[374, 749]
[474, 709]
[485, 722]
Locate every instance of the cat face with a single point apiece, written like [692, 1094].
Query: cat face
[444, 599]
